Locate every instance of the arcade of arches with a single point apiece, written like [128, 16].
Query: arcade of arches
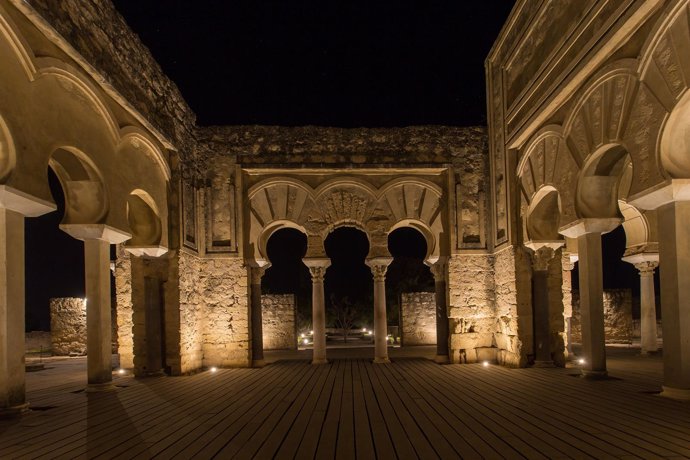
[581, 139]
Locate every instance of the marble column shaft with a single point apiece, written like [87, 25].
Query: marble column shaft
[379, 266]
[648, 332]
[317, 269]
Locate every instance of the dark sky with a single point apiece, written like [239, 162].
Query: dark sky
[330, 63]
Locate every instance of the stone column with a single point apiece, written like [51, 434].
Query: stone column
[648, 331]
[317, 268]
[440, 272]
[567, 265]
[674, 257]
[12, 373]
[592, 305]
[588, 233]
[98, 320]
[646, 262]
[257, 321]
[541, 256]
[378, 266]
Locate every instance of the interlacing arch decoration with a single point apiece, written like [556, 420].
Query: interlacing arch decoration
[280, 202]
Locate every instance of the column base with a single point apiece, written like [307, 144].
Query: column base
[319, 361]
[649, 353]
[543, 364]
[100, 387]
[441, 359]
[13, 411]
[383, 360]
[682, 394]
[594, 375]
[258, 363]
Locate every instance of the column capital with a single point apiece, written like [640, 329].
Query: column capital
[317, 267]
[439, 268]
[379, 266]
[568, 261]
[647, 268]
[543, 252]
[645, 262]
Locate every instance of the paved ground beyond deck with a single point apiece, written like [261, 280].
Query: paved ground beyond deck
[350, 408]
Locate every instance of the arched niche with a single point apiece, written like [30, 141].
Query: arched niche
[675, 141]
[143, 218]
[543, 215]
[597, 188]
[86, 200]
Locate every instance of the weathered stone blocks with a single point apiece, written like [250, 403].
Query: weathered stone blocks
[278, 322]
[418, 318]
[68, 325]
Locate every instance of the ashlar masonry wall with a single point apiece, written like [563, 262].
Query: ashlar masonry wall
[214, 312]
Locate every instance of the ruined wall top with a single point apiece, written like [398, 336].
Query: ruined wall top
[101, 35]
[264, 145]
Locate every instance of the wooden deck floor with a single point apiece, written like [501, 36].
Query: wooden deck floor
[351, 408]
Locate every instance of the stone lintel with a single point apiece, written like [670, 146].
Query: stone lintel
[667, 192]
[590, 225]
[23, 203]
[146, 251]
[96, 232]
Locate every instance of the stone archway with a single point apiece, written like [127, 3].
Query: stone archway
[375, 201]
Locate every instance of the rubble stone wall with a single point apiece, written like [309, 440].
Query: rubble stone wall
[418, 318]
[124, 308]
[100, 34]
[278, 322]
[68, 325]
[558, 337]
[618, 322]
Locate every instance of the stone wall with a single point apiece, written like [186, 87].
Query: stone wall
[278, 322]
[618, 322]
[214, 312]
[558, 337]
[513, 285]
[68, 325]
[124, 308]
[35, 341]
[471, 300]
[418, 318]
[100, 34]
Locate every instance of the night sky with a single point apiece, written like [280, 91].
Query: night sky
[340, 63]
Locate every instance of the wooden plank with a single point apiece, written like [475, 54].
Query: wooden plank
[383, 443]
[346, 445]
[364, 444]
[294, 437]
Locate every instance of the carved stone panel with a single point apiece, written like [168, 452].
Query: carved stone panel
[220, 215]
